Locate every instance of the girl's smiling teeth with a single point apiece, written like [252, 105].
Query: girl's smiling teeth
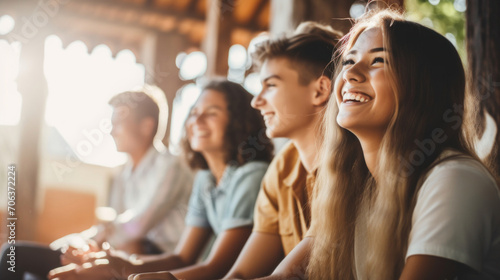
[355, 97]
[200, 133]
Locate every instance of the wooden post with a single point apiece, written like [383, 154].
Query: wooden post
[33, 88]
[483, 48]
[164, 73]
[218, 36]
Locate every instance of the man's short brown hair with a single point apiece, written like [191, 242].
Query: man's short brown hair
[309, 49]
[140, 103]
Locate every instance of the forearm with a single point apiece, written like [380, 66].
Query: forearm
[200, 271]
[298, 273]
[294, 266]
[164, 262]
[275, 277]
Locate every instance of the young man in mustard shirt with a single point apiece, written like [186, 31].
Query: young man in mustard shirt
[296, 77]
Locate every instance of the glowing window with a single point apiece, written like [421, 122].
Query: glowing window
[80, 85]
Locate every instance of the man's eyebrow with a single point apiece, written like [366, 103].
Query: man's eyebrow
[271, 77]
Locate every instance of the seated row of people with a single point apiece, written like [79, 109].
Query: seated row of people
[379, 181]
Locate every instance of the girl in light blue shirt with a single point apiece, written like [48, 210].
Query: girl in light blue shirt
[225, 140]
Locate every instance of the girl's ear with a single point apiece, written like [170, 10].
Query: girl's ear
[323, 91]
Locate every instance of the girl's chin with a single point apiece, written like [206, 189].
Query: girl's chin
[197, 149]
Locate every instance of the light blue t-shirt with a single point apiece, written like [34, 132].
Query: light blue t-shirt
[231, 203]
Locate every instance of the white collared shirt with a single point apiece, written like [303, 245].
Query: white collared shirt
[151, 201]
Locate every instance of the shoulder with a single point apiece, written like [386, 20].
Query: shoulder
[285, 161]
[168, 160]
[461, 182]
[203, 175]
[247, 176]
[457, 212]
[251, 167]
[461, 173]
[287, 155]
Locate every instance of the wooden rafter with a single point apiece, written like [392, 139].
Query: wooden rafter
[263, 4]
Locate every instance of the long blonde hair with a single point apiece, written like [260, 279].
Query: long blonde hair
[428, 80]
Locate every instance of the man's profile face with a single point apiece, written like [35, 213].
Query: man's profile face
[285, 103]
[126, 129]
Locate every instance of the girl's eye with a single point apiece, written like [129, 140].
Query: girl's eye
[210, 113]
[347, 62]
[270, 85]
[378, 60]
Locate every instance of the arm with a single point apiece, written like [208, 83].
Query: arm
[430, 267]
[222, 256]
[294, 265]
[259, 257]
[452, 224]
[160, 196]
[234, 223]
[187, 252]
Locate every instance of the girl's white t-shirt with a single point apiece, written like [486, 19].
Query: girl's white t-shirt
[457, 217]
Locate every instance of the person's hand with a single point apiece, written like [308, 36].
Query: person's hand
[79, 255]
[162, 275]
[105, 268]
[95, 271]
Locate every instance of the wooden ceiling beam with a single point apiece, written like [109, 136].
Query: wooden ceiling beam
[191, 8]
[124, 7]
[260, 7]
[151, 9]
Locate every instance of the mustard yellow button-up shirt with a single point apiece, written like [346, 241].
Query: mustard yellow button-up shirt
[283, 206]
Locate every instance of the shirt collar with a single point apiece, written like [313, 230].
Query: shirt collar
[298, 176]
[224, 181]
[296, 172]
[144, 164]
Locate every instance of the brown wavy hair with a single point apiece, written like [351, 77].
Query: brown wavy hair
[245, 137]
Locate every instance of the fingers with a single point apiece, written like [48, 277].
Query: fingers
[80, 255]
[164, 275]
[98, 269]
[63, 272]
[93, 246]
[93, 256]
[72, 255]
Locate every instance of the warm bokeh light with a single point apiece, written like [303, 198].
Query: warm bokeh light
[193, 66]
[357, 9]
[237, 57]
[253, 84]
[7, 24]
[460, 5]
